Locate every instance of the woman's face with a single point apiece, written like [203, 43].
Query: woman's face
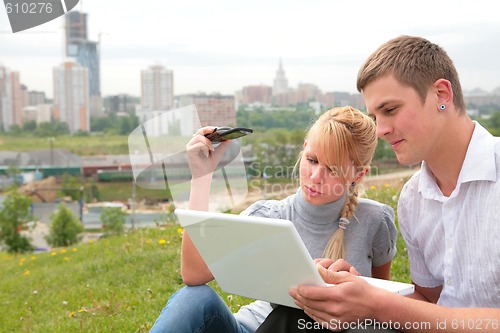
[320, 184]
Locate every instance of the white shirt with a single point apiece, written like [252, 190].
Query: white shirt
[455, 241]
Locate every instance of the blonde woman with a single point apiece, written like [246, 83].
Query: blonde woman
[333, 222]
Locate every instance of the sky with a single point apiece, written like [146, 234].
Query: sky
[223, 45]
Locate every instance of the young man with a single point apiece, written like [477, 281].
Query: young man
[449, 211]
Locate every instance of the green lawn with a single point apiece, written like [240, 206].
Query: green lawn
[103, 144]
[116, 284]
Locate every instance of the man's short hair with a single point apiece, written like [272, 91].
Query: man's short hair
[415, 62]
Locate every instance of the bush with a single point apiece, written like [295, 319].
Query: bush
[113, 221]
[13, 216]
[65, 228]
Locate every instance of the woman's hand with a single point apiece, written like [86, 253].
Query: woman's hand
[203, 158]
[338, 266]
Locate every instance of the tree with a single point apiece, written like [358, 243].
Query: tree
[65, 228]
[71, 187]
[113, 221]
[14, 214]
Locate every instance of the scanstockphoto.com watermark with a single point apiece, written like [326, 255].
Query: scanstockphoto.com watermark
[26, 14]
[337, 325]
[455, 324]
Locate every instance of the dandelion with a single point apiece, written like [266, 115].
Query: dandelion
[75, 249]
[372, 187]
[387, 185]
[179, 230]
[91, 241]
[33, 258]
[53, 254]
[65, 303]
[394, 198]
[81, 310]
[26, 272]
[63, 250]
[72, 314]
[35, 292]
[162, 241]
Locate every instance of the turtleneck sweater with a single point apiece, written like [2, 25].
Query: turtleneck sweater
[370, 237]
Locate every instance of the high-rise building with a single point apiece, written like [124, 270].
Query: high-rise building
[157, 89]
[71, 96]
[213, 110]
[85, 53]
[307, 92]
[281, 91]
[10, 99]
[280, 82]
[256, 94]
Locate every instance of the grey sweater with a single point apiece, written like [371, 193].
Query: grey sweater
[370, 238]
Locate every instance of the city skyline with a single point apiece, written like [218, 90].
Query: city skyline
[223, 46]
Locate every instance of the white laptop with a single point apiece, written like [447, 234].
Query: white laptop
[256, 257]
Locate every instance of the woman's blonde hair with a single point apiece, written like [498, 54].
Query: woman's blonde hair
[345, 138]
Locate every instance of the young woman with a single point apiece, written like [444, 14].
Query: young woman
[333, 222]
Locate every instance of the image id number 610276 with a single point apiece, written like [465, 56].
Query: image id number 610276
[28, 7]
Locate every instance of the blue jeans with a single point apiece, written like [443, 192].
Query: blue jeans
[196, 309]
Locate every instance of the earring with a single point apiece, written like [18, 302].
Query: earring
[442, 107]
[353, 184]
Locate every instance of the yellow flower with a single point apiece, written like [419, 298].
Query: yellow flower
[33, 258]
[26, 273]
[91, 241]
[66, 258]
[162, 241]
[372, 187]
[72, 314]
[23, 259]
[179, 230]
[53, 253]
[387, 185]
[63, 250]
[81, 310]
[75, 249]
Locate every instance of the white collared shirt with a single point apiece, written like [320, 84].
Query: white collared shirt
[455, 241]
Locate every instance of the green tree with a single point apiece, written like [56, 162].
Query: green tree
[71, 187]
[65, 228]
[29, 126]
[13, 215]
[113, 221]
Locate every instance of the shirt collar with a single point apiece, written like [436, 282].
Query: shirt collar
[479, 164]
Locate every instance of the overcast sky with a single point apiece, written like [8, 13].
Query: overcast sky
[223, 45]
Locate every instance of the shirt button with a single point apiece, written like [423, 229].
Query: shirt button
[449, 283]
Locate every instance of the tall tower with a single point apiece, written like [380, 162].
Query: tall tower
[10, 98]
[85, 53]
[157, 89]
[71, 96]
[280, 82]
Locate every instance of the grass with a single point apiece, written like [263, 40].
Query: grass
[115, 284]
[103, 144]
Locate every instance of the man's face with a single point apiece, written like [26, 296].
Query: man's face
[402, 120]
